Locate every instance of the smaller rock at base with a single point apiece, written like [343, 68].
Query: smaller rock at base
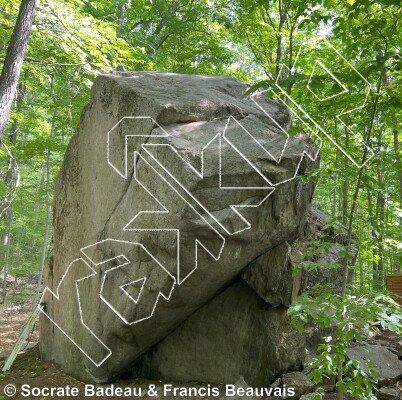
[399, 348]
[241, 383]
[299, 382]
[328, 383]
[311, 396]
[275, 384]
[389, 393]
[306, 370]
[9, 278]
[4, 354]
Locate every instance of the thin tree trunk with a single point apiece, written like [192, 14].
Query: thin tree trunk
[335, 187]
[123, 17]
[282, 20]
[345, 185]
[37, 205]
[378, 283]
[46, 237]
[374, 238]
[48, 206]
[358, 185]
[397, 157]
[10, 73]
[7, 243]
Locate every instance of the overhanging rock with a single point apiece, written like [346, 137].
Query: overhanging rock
[233, 335]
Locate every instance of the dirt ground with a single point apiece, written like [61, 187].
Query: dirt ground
[12, 321]
[28, 369]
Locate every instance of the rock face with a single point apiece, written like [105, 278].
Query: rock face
[270, 275]
[171, 186]
[236, 334]
[317, 229]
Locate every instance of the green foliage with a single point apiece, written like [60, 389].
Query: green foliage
[310, 261]
[350, 317]
[361, 48]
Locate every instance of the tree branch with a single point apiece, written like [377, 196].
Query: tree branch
[139, 23]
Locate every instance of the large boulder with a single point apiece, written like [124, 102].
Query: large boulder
[170, 187]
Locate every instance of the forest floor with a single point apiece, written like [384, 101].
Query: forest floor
[28, 368]
[12, 321]
[16, 311]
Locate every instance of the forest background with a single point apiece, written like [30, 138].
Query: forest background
[273, 45]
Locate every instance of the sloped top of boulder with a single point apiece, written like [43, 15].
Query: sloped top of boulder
[201, 97]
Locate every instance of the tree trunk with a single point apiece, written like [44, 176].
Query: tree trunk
[14, 58]
[37, 206]
[9, 181]
[374, 238]
[7, 243]
[358, 185]
[378, 283]
[122, 20]
[397, 157]
[282, 20]
[48, 206]
[345, 185]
